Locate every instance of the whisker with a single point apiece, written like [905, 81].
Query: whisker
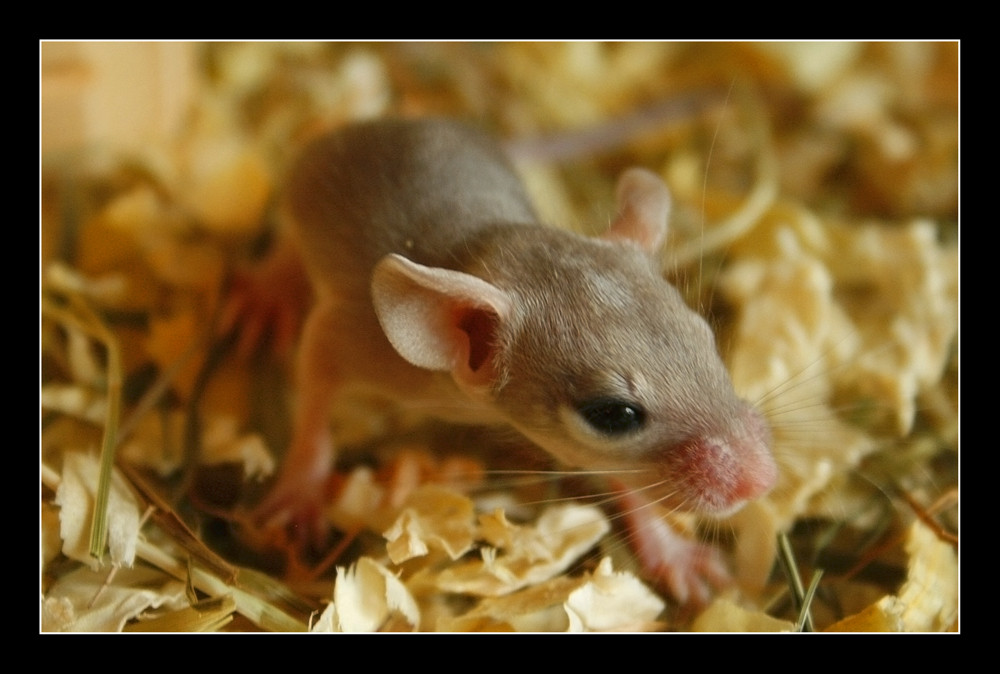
[515, 478]
[570, 473]
[798, 379]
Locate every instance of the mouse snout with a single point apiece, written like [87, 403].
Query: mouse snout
[718, 473]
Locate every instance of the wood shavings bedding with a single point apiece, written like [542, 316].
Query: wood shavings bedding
[816, 223]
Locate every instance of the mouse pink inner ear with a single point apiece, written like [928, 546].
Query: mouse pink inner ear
[440, 319]
[643, 209]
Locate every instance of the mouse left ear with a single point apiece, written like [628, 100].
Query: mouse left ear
[440, 319]
[643, 209]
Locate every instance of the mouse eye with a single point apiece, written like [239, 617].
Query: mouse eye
[612, 416]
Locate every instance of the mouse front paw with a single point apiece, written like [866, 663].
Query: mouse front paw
[689, 570]
[298, 499]
[692, 572]
[296, 506]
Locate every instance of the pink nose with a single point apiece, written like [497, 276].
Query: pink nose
[723, 472]
[758, 478]
[730, 474]
[750, 447]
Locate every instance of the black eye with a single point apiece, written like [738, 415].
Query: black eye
[612, 416]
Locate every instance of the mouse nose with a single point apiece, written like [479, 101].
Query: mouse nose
[724, 475]
[721, 471]
[751, 447]
[758, 477]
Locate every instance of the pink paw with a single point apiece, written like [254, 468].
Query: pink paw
[298, 507]
[297, 501]
[689, 570]
[268, 301]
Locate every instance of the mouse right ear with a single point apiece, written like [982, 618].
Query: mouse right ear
[643, 209]
[440, 319]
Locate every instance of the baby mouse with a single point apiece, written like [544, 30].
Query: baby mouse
[437, 287]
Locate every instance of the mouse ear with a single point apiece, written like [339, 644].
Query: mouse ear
[643, 209]
[440, 319]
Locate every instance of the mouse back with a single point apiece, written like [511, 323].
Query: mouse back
[414, 187]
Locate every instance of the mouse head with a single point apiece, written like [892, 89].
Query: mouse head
[583, 347]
